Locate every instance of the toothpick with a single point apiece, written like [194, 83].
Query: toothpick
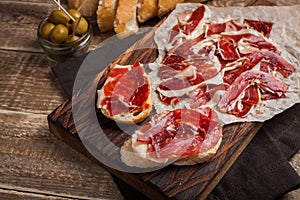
[64, 10]
[81, 5]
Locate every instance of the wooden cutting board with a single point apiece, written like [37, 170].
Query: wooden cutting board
[177, 182]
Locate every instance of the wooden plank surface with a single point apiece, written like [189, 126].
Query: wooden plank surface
[35, 164]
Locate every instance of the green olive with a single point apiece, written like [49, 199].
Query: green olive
[72, 38]
[59, 17]
[82, 26]
[74, 13]
[46, 30]
[59, 34]
[69, 26]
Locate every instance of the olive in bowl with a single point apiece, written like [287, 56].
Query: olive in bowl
[61, 38]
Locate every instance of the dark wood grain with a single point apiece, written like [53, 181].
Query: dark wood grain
[179, 182]
[34, 163]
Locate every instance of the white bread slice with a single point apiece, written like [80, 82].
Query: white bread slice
[88, 8]
[127, 118]
[126, 18]
[147, 9]
[134, 159]
[141, 160]
[106, 15]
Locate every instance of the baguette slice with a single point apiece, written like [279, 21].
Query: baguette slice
[106, 15]
[185, 148]
[126, 18]
[126, 94]
[166, 6]
[147, 9]
[88, 8]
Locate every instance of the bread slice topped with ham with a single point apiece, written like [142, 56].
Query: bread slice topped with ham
[126, 94]
[181, 137]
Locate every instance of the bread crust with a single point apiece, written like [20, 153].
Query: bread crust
[132, 159]
[126, 21]
[147, 9]
[166, 6]
[106, 13]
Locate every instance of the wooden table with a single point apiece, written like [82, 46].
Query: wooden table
[34, 164]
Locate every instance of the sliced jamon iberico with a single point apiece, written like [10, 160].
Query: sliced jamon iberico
[260, 26]
[241, 94]
[217, 28]
[180, 133]
[269, 62]
[126, 94]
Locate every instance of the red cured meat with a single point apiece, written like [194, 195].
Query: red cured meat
[174, 31]
[184, 49]
[227, 49]
[269, 61]
[272, 62]
[256, 42]
[126, 91]
[264, 81]
[181, 83]
[263, 27]
[180, 133]
[243, 107]
[203, 61]
[204, 94]
[205, 66]
[239, 66]
[189, 25]
[217, 28]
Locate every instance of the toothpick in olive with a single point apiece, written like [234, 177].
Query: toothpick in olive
[59, 17]
[74, 13]
[82, 26]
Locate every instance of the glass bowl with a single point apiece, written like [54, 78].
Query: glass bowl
[62, 52]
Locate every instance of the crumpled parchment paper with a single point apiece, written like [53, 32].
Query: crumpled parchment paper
[285, 35]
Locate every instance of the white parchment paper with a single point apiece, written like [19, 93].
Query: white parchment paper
[285, 35]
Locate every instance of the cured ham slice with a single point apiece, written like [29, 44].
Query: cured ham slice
[189, 26]
[217, 28]
[239, 94]
[181, 75]
[269, 62]
[189, 21]
[126, 94]
[248, 41]
[263, 27]
[228, 49]
[179, 134]
[204, 94]
[171, 90]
